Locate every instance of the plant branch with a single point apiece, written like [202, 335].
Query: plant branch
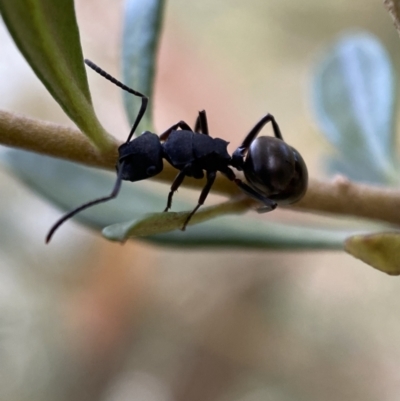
[344, 197]
[339, 196]
[52, 140]
[393, 6]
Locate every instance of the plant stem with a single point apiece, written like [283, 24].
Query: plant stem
[339, 196]
[52, 140]
[393, 6]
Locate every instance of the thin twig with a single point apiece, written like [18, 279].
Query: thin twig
[393, 6]
[53, 140]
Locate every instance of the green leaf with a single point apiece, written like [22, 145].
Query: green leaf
[381, 251]
[47, 34]
[141, 36]
[252, 233]
[157, 223]
[68, 185]
[353, 94]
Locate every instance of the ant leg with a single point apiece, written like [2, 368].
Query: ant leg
[114, 193]
[258, 127]
[175, 185]
[182, 125]
[197, 126]
[238, 154]
[203, 196]
[269, 204]
[201, 125]
[145, 99]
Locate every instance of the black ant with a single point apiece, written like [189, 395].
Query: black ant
[275, 171]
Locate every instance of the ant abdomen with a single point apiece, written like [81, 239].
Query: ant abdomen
[276, 170]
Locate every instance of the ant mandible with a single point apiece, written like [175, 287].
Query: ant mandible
[275, 171]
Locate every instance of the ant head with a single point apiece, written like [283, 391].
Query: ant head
[141, 157]
[276, 169]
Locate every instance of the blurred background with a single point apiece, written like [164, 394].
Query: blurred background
[88, 319]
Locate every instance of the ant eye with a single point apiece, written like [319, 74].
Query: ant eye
[152, 170]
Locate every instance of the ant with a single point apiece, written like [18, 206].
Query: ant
[275, 171]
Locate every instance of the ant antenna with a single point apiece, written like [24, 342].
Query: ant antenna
[145, 99]
[114, 193]
[117, 185]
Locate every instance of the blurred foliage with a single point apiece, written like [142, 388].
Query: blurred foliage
[140, 42]
[47, 35]
[354, 93]
[378, 250]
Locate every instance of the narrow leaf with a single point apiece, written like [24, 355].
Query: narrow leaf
[381, 251]
[141, 35]
[353, 94]
[157, 223]
[47, 34]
